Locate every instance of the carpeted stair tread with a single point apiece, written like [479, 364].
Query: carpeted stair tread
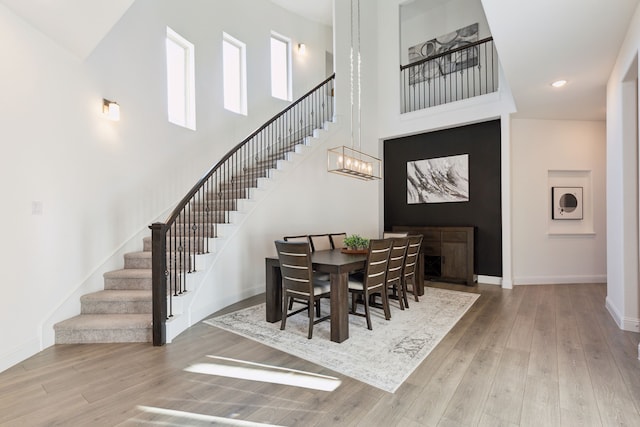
[104, 328]
[128, 278]
[117, 302]
[141, 273]
[118, 295]
[106, 321]
[137, 260]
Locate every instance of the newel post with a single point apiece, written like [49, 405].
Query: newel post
[159, 282]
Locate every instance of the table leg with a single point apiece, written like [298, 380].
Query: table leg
[273, 291]
[339, 307]
[419, 276]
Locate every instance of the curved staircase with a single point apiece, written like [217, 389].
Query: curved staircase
[122, 312]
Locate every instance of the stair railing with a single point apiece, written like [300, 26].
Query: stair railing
[457, 74]
[188, 229]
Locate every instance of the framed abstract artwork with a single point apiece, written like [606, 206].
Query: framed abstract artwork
[444, 63]
[438, 180]
[566, 203]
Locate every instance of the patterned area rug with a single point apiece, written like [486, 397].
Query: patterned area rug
[383, 357]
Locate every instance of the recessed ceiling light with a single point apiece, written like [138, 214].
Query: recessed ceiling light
[559, 83]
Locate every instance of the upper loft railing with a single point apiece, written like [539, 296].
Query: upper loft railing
[189, 228]
[454, 75]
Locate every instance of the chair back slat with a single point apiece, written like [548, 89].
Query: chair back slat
[394, 234]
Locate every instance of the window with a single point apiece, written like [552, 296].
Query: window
[280, 67]
[181, 99]
[234, 74]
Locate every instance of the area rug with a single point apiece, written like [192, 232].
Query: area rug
[383, 357]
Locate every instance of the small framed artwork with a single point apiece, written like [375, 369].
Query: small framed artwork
[566, 202]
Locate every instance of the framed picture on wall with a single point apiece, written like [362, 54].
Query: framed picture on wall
[438, 180]
[566, 203]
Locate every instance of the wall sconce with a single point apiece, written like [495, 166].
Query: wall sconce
[302, 48]
[111, 110]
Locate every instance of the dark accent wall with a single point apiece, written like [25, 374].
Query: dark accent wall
[483, 210]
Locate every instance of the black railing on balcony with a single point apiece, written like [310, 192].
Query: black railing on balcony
[454, 75]
[189, 228]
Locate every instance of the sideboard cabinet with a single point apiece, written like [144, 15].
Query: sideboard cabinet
[448, 252]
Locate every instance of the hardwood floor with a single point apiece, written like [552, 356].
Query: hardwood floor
[531, 356]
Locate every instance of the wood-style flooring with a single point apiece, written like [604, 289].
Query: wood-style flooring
[532, 356]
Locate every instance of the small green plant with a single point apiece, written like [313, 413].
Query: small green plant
[354, 241]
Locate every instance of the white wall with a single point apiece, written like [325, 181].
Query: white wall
[528, 155]
[623, 299]
[102, 183]
[47, 126]
[549, 153]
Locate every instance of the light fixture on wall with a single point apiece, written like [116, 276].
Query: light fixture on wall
[111, 110]
[351, 161]
[302, 48]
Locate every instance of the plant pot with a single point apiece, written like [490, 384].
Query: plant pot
[354, 251]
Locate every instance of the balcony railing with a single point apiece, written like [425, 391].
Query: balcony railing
[461, 73]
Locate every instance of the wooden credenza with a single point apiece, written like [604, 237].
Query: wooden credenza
[448, 252]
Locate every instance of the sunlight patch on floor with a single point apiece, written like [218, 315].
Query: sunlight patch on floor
[234, 368]
[192, 416]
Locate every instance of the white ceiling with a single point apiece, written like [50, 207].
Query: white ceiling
[317, 10]
[538, 41]
[77, 25]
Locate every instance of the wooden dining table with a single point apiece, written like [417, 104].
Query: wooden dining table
[338, 265]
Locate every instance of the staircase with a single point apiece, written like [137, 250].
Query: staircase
[123, 311]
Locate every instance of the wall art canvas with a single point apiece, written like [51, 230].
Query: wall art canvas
[439, 180]
[566, 203]
[445, 64]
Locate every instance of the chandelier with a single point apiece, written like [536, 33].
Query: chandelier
[351, 161]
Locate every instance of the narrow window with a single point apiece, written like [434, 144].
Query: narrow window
[234, 74]
[181, 99]
[280, 67]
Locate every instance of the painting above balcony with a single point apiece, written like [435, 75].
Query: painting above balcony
[445, 64]
[438, 180]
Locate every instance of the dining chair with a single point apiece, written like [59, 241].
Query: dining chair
[299, 284]
[410, 264]
[320, 276]
[373, 280]
[337, 240]
[320, 242]
[397, 258]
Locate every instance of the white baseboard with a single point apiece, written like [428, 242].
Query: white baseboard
[490, 280]
[18, 354]
[557, 280]
[631, 324]
[613, 311]
[625, 323]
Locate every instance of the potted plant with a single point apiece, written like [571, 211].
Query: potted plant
[356, 244]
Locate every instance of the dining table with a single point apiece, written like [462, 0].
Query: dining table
[338, 265]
